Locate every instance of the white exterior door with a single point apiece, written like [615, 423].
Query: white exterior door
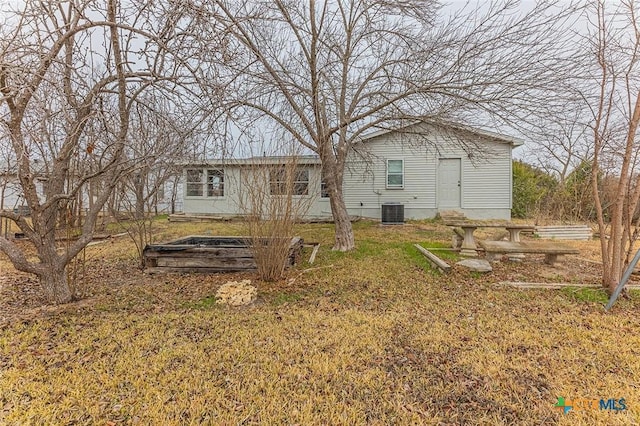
[449, 181]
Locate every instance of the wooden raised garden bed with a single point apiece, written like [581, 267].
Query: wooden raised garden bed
[197, 253]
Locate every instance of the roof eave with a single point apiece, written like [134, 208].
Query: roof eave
[514, 142]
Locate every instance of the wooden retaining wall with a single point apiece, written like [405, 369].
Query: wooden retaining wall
[564, 232]
[208, 254]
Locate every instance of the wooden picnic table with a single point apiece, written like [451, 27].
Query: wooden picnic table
[470, 248]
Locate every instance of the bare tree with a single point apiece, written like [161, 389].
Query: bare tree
[275, 194]
[158, 137]
[614, 71]
[7, 173]
[327, 72]
[70, 73]
[558, 144]
[7, 182]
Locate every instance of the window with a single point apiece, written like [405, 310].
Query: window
[215, 183]
[277, 181]
[324, 190]
[280, 181]
[395, 174]
[301, 184]
[194, 182]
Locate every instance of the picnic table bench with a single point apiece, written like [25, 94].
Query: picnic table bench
[468, 246]
[550, 250]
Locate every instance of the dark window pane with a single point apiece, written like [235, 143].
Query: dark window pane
[394, 180]
[215, 183]
[194, 182]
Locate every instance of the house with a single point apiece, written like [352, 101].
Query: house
[11, 197]
[166, 199]
[10, 192]
[426, 168]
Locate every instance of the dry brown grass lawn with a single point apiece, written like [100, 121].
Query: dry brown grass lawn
[370, 337]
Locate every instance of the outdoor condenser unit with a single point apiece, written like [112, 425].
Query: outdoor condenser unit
[392, 214]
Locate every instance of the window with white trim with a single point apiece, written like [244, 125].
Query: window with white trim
[324, 189]
[395, 174]
[194, 182]
[215, 183]
[280, 180]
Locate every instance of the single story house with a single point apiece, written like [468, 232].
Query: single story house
[168, 197]
[425, 168]
[11, 197]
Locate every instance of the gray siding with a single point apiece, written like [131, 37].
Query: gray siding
[13, 192]
[228, 204]
[485, 176]
[485, 181]
[365, 187]
[238, 182]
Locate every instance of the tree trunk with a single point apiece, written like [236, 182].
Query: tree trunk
[138, 185]
[3, 189]
[344, 238]
[55, 285]
[620, 238]
[332, 175]
[78, 218]
[613, 272]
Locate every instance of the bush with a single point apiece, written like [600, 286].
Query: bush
[532, 190]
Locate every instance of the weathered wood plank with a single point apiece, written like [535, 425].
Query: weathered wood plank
[206, 262]
[203, 252]
[209, 241]
[197, 218]
[433, 259]
[539, 285]
[521, 284]
[197, 253]
[164, 270]
[316, 247]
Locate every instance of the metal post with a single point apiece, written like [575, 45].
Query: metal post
[623, 281]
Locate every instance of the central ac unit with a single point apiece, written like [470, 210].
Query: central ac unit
[392, 214]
